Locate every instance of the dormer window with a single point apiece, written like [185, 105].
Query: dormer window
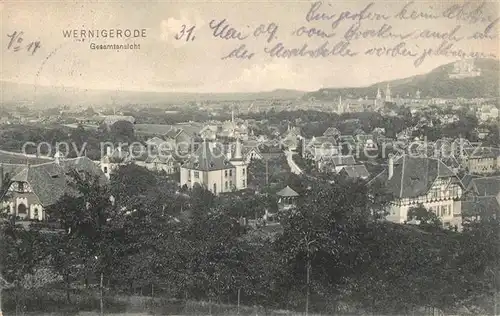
[20, 186]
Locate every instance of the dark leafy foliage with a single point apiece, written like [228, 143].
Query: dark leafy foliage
[333, 250]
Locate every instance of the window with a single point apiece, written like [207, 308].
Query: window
[196, 174]
[21, 209]
[243, 171]
[106, 170]
[447, 210]
[434, 194]
[226, 185]
[35, 213]
[230, 172]
[215, 188]
[444, 210]
[243, 181]
[231, 184]
[21, 186]
[225, 173]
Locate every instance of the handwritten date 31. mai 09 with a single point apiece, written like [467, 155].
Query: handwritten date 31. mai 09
[223, 30]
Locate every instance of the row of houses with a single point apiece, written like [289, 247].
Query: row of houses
[160, 155]
[411, 181]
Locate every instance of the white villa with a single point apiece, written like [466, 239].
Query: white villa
[213, 169]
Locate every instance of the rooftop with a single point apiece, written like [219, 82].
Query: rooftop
[287, 192]
[414, 176]
[207, 158]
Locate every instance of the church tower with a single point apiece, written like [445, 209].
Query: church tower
[388, 94]
[340, 108]
[240, 174]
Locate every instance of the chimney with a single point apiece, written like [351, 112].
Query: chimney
[391, 167]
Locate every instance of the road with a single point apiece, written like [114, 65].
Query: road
[293, 166]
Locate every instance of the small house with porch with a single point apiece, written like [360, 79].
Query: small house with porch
[287, 198]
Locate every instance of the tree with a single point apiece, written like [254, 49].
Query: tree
[425, 216]
[91, 229]
[122, 131]
[479, 259]
[321, 235]
[130, 181]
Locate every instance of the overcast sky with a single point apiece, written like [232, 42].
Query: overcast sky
[165, 64]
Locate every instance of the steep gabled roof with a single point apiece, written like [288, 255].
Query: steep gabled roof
[356, 171]
[161, 159]
[483, 206]
[467, 179]
[482, 152]
[155, 141]
[487, 186]
[323, 141]
[414, 176]
[207, 158]
[118, 156]
[49, 181]
[331, 131]
[338, 161]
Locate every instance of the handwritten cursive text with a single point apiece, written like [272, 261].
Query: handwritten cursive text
[222, 29]
[340, 49]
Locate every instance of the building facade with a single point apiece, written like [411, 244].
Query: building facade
[212, 169]
[29, 189]
[420, 180]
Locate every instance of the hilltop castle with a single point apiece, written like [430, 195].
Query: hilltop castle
[464, 69]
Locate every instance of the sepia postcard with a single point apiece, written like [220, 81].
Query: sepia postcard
[260, 157]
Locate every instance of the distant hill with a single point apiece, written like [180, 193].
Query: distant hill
[436, 83]
[42, 96]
